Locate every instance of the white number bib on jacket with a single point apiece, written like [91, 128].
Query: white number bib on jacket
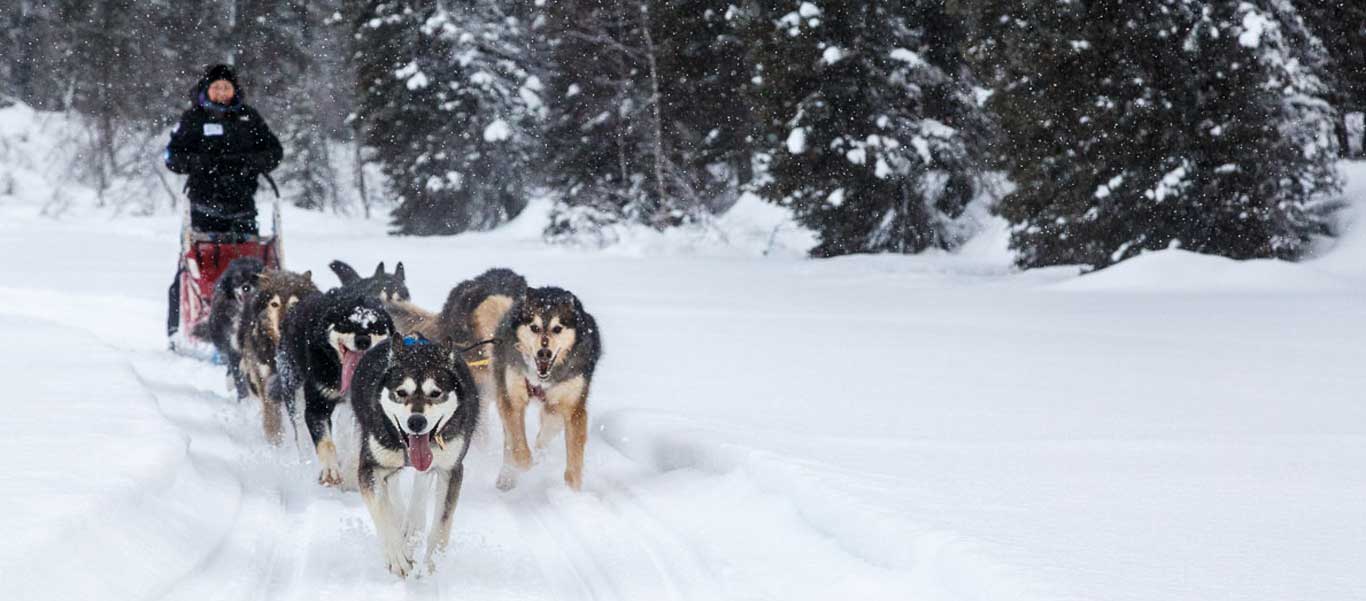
[213, 129]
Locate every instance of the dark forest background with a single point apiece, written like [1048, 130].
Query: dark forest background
[1120, 125]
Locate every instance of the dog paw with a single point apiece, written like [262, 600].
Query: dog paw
[574, 480]
[507, 479]
[330, 476]
[399, 561]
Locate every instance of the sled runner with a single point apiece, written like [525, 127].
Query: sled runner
[203, 258]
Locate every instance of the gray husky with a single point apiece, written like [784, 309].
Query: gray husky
[416, 405]
[233, 291]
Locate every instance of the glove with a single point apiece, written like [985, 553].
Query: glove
[239, 164]
[224, 165]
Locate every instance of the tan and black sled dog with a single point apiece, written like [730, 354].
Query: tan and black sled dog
[259, 338]
[471, 315]
[547, 348]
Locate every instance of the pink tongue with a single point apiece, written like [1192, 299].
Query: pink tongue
[420, 452]
[349, 361]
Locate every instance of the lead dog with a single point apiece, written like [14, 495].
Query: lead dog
[417, 407]
[547, 348]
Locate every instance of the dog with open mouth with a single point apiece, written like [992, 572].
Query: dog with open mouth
[416, 405]
[546, 351]
[323, 340]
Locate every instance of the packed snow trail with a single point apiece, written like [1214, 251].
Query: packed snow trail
[937, 428]
[294, 539]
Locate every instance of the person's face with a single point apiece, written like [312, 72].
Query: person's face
[221, 91]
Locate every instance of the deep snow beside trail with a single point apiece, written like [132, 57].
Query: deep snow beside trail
[936, 427]
[94, 473]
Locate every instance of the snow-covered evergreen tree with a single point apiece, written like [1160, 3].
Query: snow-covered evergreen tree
[601, 135]
[1149, 124]
[646, 122]
[451, 107]
[873, 134]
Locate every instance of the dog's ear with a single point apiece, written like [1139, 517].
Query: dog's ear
[345, 273]
[398, 271]
[379, 270]
[308, 275]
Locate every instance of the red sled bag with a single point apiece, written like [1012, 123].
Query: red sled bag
[203, 258]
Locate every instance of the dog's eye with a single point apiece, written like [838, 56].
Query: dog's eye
[401, 393]
[556, 329]
[535, 329]
[436, 394]
[275, 304]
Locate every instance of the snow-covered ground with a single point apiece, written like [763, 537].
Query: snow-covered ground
[937, 427]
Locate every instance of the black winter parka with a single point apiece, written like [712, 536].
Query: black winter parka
[223, 149]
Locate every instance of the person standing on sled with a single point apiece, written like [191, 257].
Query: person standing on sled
[223, 145]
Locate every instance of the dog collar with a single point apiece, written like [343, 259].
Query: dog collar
[533, 391]
[415, 340]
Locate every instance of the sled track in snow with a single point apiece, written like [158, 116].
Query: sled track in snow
[570, 530]
[291, 539]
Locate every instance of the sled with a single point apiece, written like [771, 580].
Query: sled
[203, 258]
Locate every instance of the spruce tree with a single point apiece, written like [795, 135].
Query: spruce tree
[646, 119]
[605, 153]
[872, 133]
[452, 109]
[1139, 125]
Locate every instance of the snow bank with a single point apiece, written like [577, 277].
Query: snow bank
[871, 548]
[1346, 255]
[1185, 271]
[101, 498]
[33, 162]
[752, 227]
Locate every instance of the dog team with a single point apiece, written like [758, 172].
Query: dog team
[416, 380]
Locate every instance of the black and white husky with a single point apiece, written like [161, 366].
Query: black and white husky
[416, 405]
[321, 345]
